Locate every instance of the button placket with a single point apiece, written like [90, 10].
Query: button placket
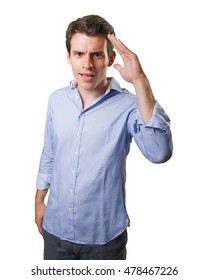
[74, 173]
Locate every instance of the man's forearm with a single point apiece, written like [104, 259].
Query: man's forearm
[40, 208]
[40, 196]
[145, 97]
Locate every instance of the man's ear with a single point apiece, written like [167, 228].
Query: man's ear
[68, 57]
[112, 58]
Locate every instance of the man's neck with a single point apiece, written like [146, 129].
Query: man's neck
[88, 97]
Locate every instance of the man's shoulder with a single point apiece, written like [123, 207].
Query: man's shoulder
[126, 96]
[61, 91]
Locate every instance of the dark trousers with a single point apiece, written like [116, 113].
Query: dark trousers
[57, 249]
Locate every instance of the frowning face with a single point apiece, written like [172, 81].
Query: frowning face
[89, 60]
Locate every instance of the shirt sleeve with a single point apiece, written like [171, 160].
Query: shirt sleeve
[47, 156]
[154, 138]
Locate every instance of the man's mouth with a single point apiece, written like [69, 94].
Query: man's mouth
[87, 77]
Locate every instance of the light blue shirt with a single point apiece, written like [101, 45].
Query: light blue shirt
[83, 161]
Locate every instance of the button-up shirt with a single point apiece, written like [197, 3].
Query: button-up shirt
[83, 161]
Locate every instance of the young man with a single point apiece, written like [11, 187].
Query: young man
[89, 129]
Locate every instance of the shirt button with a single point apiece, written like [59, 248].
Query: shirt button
[74, 172]
[70, 209]
[75, 152]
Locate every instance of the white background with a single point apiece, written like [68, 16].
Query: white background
[167, 203]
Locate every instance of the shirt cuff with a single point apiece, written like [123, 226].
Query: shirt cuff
[43, 181]
[159, 119]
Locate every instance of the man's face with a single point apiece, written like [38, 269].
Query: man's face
[89, 60]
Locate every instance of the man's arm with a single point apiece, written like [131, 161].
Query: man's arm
[132, 72]
[151, 127]
[40, 208]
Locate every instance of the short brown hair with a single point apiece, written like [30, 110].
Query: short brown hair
[90, 25]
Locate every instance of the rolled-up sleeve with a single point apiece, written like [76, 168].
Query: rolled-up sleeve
[154, 138]
[47, 156]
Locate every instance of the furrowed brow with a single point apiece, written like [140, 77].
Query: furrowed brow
[97, 52]
[75, 52]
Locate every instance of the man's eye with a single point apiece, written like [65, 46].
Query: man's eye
[98, 55]
[78, 54]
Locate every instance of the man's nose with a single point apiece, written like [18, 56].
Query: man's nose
[87, 62]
